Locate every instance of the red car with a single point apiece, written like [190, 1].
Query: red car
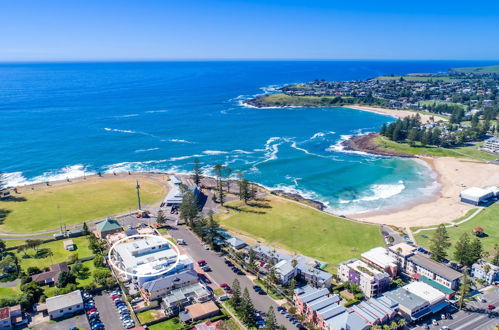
[223, 285]
[491, 307]
[201, 263]
[115, 297]
[228, 290]
[91, 310]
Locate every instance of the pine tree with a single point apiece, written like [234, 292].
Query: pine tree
[235, 300]
[189, 208]
[495, 257]
[244, 190]
[475, 252]
[439, 243]
[464, 289]
[3, 181]
[197, 172]
[270, 320]
[160, 218]
[462, 249]
[85, 229]
[247, 309]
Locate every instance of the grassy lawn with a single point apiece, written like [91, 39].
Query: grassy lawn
[413, 78]
[57, 248]
[149, 315]
[301, 229]
[9, 292]
[50, 291]
[432, 102]
[487, 219]
[77, 203]
[297, 101]
[171, 324]
[479, 69]
[466, 152]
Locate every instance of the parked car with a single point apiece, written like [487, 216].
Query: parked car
[223, 285]
[201, 263]
[224, 297]
[491, 307]
[206, 268]
[434, 322]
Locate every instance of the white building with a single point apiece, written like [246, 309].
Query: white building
[426, 291]
[285, 271]
[485, 271]
[477, 196]
[370, 279]
[380, 257]
[65, 304]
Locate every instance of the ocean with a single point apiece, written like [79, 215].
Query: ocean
[64, 120]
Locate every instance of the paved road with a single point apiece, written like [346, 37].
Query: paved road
[108, 313]
[476, 317]
[221, 273]
[79, 321]
[395, 234]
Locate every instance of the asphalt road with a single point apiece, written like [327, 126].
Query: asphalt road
[476, 316]
[221, 273]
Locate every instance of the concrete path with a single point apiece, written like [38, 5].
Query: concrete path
[453, 224]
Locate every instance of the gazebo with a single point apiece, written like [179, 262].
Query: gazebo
[478, 231]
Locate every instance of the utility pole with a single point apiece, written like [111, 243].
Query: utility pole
[138, 194]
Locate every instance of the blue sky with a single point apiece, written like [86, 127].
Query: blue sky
[34, 30]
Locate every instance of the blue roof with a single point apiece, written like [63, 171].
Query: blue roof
[371, 309]
[366, 315]
[381, 306]
[308, 297]
[421, 313]
[324, 302]
[327, 313]
[441, 305]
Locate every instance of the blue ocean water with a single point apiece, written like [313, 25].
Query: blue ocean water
[62, 120]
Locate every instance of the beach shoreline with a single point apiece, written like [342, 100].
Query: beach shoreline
[399, 114]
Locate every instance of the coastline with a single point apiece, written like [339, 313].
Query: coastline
[399, 114]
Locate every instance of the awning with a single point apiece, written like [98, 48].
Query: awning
[441, 305]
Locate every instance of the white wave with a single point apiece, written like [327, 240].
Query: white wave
[240, 151]
[146, 150]
[68, 172]
[338, 146]
[178, 141]
[128, 115]
[382, 191]
[321, 134]
[156, 111]
[294, 146]
[173, 159]
[214, 152]
[120, 130]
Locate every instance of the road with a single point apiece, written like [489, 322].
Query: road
[221, 273]
[397, 237]
[476, 316]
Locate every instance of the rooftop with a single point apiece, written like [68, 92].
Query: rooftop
[436, 267]
[200, 309]
[406, 298]
[171, 280]
[403, 249]
[425, 291]
[108, 225]
[4, 313]
[64, 300]
[380, 257]
[436, 285]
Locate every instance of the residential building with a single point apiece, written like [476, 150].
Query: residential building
[436, 271]
[379, 257]
[208, 325]
[371, 280]
[236, 243]
[347, 320]
[178, 298]
[155, 289]
[401, 252]
[50, 277]
[175, 195]
[449, 293]
[199, 311]
[491, 145]
[69, 245]
[315, 303]
[314, 276]
[5, 321]
[107, 227]
[65, 304]
[485, 271]
[433, 296]
[11, 317]
[411, 306]
[285, 271]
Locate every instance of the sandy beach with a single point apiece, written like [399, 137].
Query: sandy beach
[454, 175]
[394, 113]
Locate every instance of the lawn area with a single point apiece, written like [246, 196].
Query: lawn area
[171, 324]
[77, 203]
[273, 100]
[466, 152]
[413, 78]
[487, 219]
[301, 229]
[149, 315]
[50, 291]
[478, 69]
[9, 292]
[432, 102]
[57, 248]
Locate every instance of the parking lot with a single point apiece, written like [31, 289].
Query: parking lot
[109, 313]
[78, 321]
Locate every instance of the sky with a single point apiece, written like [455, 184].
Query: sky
[107, 30]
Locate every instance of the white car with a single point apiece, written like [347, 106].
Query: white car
[434, 322]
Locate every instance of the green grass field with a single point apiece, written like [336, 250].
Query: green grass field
[171, 324]
[57, 248]
[302, 229]
[9, 292]
[466, 152]
[488, 219]
[413, 78]
[478, 69]
[432, 102]
[77, 203]
[275, 100]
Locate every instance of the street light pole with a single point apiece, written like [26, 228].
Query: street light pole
[138, 194]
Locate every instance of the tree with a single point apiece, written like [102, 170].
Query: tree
[99, 261]
[3, 181]
[462, 252]
[211, 230]
[160, 218]
[33, 270]
[270, 320]
[439, 243]
[34, 243]
[2, 248]
[101, 275]
[197, 172]
[464, 289]
[247, 312]
[65, 278]
[189, 208]
[22, 249]
[475, 252]
[244, 190]
[235, 300]
[495, 257]
[85, 229]
[218, 168]
[402, 323]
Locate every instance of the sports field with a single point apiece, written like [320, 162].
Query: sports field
[301, 229]
[488, 219]
[47, 207]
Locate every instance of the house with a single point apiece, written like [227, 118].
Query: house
[178, 298]
[69, 245]
[75, 232]
[379, 257]
[208, 325]
[5, 320]
[436, 271]
[65, 304]
[108, 227]
[50, 277]
[146, 258]
[285, 271]
[401, 252]
[155, 289]
[199, 311]
[476, 196]
[485, 271]
[411, 306]
[371, 280]
[347, 320]
[449, 293]
[315, 303]
[314, 276]
[176, 194]
[236, 243]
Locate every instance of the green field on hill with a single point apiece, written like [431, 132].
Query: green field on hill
[37, 210]
[464, 152]
[279, 100]
[413, 78]
[479, 69]
[301, 229]
[488, 219]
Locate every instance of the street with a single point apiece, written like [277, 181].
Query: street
[221, 273]
[476, 316]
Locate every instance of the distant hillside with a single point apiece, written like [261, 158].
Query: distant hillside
[478, 69]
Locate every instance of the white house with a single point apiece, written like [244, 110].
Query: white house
[285, 271]
[65, 304]
[477, 196]
[485, 271]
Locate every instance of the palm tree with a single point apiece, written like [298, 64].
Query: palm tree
[402, 323]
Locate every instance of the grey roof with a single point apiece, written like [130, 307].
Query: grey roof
[327, 313]
[436, 267]
[64, 300]
[367, 315]
[405, 298]
[284, 267]
[324, 302]
[169, 281]
[381, 306]
[236, 242]
[270, 252]
[308, 297]
[132, 231]
[322, 275]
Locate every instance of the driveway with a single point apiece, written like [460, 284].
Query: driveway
[221, 273]
[108, 313]
[79, 321]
